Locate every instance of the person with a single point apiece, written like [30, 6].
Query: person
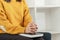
[16, 19]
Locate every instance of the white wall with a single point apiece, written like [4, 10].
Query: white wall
[32, 12]
[39, 3]
[52, 2]
[55, 19]
[40, 19]
[47, 19]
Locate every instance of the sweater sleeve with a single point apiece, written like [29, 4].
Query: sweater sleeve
[10, 28]
[27, 16]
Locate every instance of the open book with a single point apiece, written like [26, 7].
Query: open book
[32, 35]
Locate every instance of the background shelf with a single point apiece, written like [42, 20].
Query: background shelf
[46, 14]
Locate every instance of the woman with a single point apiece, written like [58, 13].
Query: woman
[16, 19]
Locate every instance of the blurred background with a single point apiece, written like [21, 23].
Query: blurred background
[46, 14]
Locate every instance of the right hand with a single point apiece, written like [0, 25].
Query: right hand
[31, 28]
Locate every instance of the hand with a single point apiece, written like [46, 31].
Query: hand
[31, 28]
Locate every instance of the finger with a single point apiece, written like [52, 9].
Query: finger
[34, 25]
[33, 30]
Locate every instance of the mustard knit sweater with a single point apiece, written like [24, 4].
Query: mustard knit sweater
[14, 16]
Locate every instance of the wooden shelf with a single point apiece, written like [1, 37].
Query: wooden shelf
[46, 6]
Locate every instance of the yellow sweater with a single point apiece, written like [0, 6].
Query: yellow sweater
[14, 16]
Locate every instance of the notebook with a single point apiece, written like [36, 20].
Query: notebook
[32, 35]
